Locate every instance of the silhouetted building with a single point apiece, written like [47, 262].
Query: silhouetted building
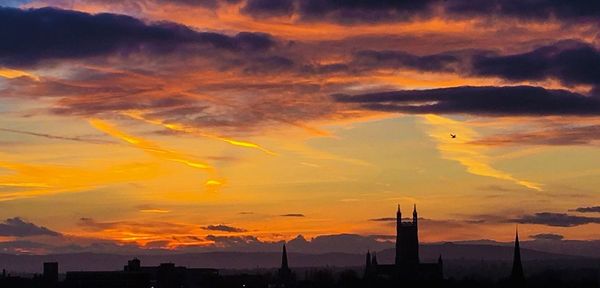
[133, 265]
[517, 277]
[368, 268]
[50, 276]
[285, 278]
[407, 268]
[407, 241]
[166, 275]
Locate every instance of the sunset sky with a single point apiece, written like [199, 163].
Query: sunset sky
[205, 124]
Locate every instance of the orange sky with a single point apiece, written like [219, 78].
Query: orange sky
[140, 146]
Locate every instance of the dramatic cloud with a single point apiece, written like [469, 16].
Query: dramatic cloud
[48, 33]
[223, 228]
[571, 62]
[485, 100]
[593, 209]
[21, 228]
[398, 59]
[547, 236]
[355, 11]
[556, 219]
[262, 8]
[362, 11]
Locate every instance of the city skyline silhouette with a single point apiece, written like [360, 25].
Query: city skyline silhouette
[268, 143]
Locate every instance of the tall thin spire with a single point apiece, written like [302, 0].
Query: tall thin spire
[415, 213]
[517, 275]
[285, 274]
[284, 260]
[398, 230]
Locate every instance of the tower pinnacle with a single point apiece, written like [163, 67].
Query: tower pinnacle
[284, 260]
[517, 275]
[415, 213]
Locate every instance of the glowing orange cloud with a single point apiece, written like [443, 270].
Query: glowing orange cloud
[181, 128]
[148, 146]
[154, 211]
[11, 73]
[459, 149]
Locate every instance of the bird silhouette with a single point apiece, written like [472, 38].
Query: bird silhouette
[452, 135]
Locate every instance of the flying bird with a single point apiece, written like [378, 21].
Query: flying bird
[452, 135]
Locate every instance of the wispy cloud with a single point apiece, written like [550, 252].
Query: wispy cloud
[57, 137]
[12, 73]
[458, 149]
[193, 131]
[147, 146]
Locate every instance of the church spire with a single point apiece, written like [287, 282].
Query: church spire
[415, 213]
[284, 260]
[285, 274]
[398, 230]
[517, 275]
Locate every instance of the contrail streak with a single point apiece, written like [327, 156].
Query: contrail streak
[50, 136]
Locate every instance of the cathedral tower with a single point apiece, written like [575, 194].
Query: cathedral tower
[407, 241]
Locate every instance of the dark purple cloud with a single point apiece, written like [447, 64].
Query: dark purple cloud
[592, 209]
[373, 11]
[33, 35]
[556, 219]
[371, 59]
[547, 236]
[268, 8]
[484, 100]
[571, 62]
[20, 228]
[385, 219]
[352, 11]
[223, 228]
